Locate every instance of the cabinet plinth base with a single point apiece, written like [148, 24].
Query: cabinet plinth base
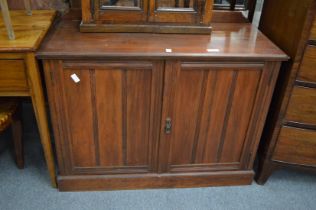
[139, 28]
[143, 181]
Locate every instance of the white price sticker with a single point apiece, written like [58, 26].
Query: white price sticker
[212, 50]
[75, 78]
[168, 50]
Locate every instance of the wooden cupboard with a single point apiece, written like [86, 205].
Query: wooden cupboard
[128, 115]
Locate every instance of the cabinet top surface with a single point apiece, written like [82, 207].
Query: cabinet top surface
[29, 30]
[228, 41]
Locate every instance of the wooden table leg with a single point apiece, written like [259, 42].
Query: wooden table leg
[18, 143]
[7, 18]
[38, 102]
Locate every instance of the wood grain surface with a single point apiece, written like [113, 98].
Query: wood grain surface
[307, 72]
[40, 4]
[296, 146]
[29, 30]
[229, 41]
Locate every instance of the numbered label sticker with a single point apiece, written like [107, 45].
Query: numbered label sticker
[212, 50]
[168, 50]
[75, 78]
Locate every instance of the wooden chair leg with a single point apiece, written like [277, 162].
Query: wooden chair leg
[17, 139]
[7, 19]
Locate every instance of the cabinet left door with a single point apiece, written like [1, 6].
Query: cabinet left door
[105, 115]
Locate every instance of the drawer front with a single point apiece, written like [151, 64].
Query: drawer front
[12, 76]
[302, 106]
[313, 31]
[307, 72]
[297, 146]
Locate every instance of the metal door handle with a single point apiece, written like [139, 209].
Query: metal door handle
[168, 126]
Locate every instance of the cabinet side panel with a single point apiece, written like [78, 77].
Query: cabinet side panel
[239, 115]
[78, 103]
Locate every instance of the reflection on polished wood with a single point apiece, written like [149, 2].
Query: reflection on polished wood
[231, 41]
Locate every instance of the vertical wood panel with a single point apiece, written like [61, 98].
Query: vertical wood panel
[227, 111]
[242, 106]
[210, 108]
[213, 115]
[187, 99]
[138, 116]
[110, 120]
[80, 119]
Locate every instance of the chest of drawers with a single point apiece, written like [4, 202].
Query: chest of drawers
[289, 138]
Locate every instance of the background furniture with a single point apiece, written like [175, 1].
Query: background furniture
[289, 138]
[158, 110]
[7, 18]
[10, 116]
[19, 73]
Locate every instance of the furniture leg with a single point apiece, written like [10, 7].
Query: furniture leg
[7, 19]
[265, 170]
[38, 102]
[17, 139]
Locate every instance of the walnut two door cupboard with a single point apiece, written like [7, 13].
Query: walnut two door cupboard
[125, 119]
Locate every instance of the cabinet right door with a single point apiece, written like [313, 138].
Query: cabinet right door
[208, 115]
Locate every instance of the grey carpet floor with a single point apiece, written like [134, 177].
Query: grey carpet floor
[30, 189]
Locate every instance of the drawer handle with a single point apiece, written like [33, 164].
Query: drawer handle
[75, 78]
[168, 126]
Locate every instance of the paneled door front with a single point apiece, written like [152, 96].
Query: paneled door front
[109, 113]
[207, 111]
